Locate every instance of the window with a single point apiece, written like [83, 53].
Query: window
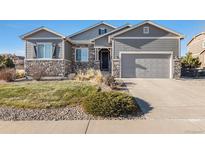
[203, 44]
[102, 31]
[44, 50]
[146, 30]
[204, 58]
[81, 54]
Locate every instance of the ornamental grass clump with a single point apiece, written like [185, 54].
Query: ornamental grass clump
[89, 75]
[7, 74]
[20, 74]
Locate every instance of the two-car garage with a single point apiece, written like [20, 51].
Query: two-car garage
[146, 50]
[146, 64]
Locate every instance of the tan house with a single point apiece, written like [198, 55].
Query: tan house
[197, 47]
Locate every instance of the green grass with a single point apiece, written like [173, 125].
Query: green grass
[50, 94]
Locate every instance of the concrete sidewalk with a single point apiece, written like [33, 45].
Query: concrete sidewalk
[103, 127]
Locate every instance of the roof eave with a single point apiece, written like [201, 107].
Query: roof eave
[111, 32]
[85, 29]
[149, 22]
[39, 29]
[195, 37]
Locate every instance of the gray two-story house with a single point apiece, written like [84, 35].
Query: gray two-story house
[145, 50]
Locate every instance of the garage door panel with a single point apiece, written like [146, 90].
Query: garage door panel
[145, 65]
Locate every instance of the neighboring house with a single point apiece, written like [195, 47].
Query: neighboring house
[197, 47]
[17, 60]
[145, 50]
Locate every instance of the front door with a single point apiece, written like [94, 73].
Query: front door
[104, 60]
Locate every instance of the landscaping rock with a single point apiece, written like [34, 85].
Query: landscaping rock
[67, 113]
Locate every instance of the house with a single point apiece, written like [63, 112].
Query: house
[145, 50]
[197, 47]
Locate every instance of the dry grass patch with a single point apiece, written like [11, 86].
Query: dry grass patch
[50, 94]
[7, 74]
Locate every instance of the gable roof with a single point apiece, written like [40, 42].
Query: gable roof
[195, 37]
[86, 29]
[121, 27]
[151, 23]
[39, 29]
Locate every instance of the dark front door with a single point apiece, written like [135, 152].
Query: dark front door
[104, 60]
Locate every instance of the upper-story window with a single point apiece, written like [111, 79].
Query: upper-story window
[102, 31]
[44, 50]
[81, 54]
[146, 30]
[203, 44]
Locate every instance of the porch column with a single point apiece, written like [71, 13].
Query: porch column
[96, 54]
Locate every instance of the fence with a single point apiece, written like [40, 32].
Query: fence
[192, 72]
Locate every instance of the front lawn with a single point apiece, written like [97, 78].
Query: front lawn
[29, 99]
[50, 94]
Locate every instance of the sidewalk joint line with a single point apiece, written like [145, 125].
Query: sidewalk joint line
[87, 127]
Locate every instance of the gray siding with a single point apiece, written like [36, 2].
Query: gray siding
[153, 32]
[42, 34]
[91, 33]
[146, 45]
[103, 41]
[30, 54]
[68, 50]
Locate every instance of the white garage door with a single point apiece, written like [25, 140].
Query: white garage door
[145, 65]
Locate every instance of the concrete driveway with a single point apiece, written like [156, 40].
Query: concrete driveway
[169, 99]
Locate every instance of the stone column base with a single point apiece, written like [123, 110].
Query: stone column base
[176, 68]
[116, 68]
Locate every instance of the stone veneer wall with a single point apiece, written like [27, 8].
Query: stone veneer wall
[116, 68]
[57, 67]
[176, 68]
[85, 65]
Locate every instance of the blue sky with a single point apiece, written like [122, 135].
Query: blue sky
[10, 30]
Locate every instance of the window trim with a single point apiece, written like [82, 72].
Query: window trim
[144, 30]
[204, 58]
[82, 60]
[100, 31]
[203, 44]
[39, 43]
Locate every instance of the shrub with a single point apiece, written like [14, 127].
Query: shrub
[7, 74]
[37, 72]
[111, 82]
[6, 62]
[189, 61]
[109, 104]
[20, 74]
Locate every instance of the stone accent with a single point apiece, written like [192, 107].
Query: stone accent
[116, 68]
[54, 67]
[68, 67]
[97, 65]
[85, 65]
[176, 68]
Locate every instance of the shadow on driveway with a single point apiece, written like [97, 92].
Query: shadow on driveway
[144, 106]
